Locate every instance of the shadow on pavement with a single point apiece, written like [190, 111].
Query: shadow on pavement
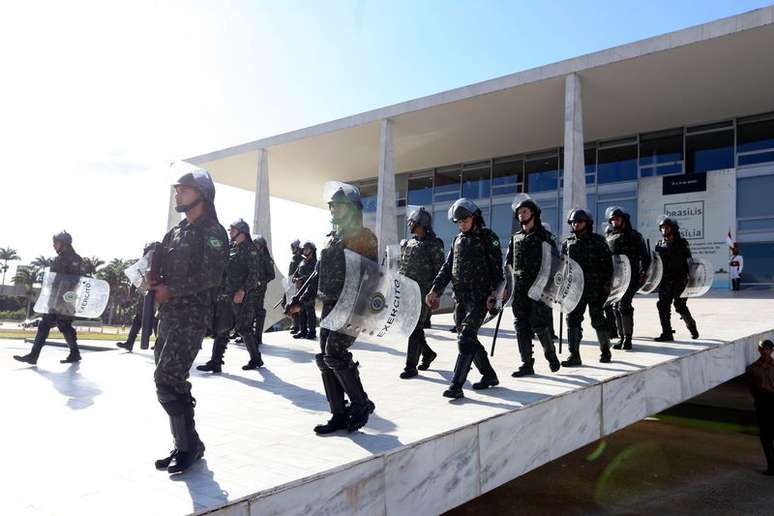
[79, 390]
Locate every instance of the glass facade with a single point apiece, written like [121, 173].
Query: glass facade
[612, 169]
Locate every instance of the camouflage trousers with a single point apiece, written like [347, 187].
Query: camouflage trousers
[178, 342]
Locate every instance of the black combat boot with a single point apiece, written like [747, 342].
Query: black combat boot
[184, 459]
[549, 350]
[574, 335]
[255, 357]
[628, 331]
[71, 358]
[29, 358]
[125, 345]
[216, 360]
[524, 341]
[488, 375]
[690, 323]
[604, 346]
[428, 355]
[302, 334]
[164, 463]
[361, 407]
[412, 356]
[335, 395]
[768, 451]
[461, 369]
[666, 327]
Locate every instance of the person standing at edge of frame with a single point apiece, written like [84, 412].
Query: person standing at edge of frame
[196, 253]
[474, 267]
[307, 317]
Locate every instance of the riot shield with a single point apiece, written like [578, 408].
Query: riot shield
[376, 303]
[290, 288]
[560, 281]
[701, 273]
[622, 275]
[392, 257]
[653, 276]
[136, 271]
[72, 296]
[505, 286]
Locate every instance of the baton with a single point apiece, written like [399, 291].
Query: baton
[561, 321]
[497, 328]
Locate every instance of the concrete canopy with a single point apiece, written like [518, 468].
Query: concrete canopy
[706, 73]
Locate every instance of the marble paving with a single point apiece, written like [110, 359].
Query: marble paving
[81, 439]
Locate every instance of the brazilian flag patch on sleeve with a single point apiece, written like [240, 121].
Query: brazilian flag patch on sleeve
[215, 243]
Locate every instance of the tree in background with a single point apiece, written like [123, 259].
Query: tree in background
[41, 262]
[28, 276]
[113, 273]
[90, 265]
[6, 255]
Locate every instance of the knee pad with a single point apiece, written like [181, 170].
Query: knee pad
[171, 401]
[320, 359]
[467, 344]
[338, 362]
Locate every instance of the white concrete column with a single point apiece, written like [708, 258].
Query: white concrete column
[386, 215]
[261, 213]
[574, 193]
[173, 217]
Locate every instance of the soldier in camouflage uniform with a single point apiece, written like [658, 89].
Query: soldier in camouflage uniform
[66, 262]
[295, 263]
[623, 239]
[236, 304]
[339, 371]
[195, 256]
[136, 326]
[420, 259]
[265, 275]
[474, 267]
[675, 253]
[525, 256]
[593, 255]
[307, 317]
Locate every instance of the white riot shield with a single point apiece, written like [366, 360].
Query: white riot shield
[136, 271]
[290, 288]
[653, 276]
[560, 281]
[622, 275]
[376, 303]
[701, 273]
[72, 296]
[392, 257]
[505, 286]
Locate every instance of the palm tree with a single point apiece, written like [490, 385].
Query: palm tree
[113, 273]
[41, 262]
[90, 265]
[7, 254]
[27, 276]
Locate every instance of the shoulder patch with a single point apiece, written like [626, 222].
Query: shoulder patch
[215, 243]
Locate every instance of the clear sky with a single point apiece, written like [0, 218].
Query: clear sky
[96, 97]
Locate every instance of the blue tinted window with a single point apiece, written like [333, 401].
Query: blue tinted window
[754, 196]
[542, 174]
[369, 203]
[753, 159]
[420, 191]
[709, 151]
[663, 149]
[617, 164]
[502, 222]
[758, 262]
[447, 186]
[755, 136]
[476, 183]
[506, 176]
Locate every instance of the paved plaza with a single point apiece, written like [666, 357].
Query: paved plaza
[81, 439]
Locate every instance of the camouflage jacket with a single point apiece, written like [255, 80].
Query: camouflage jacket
[629, 243]
[674, 255]
[331, 268]
[242, 269]
[69, 262]
[525, 254]
[196, 255]
[421, 259]
[265, 268]
[593, 255]
[473, 265]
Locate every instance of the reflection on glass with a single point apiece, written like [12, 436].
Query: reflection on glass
[420, 190]
[755, 136]
[476, 183]
[542, 174]
[368, 196]
[617, 164]
[447, 185]
[709, 151]
[506, 177]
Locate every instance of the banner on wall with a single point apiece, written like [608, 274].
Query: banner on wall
[704, 206]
